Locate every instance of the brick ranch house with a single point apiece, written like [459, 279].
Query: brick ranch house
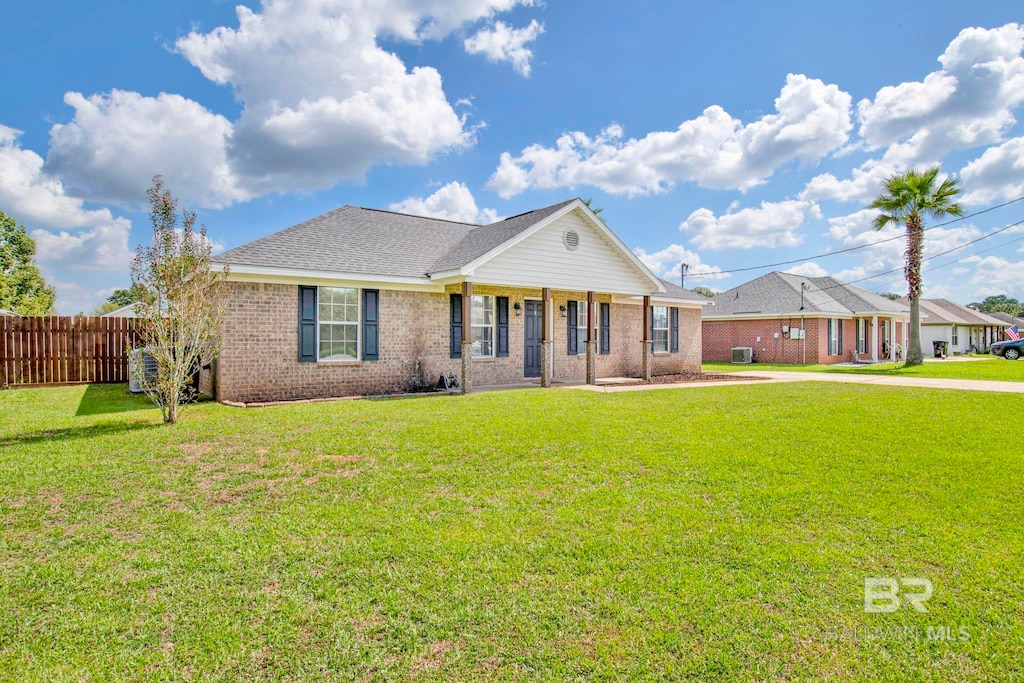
[360, 301]
[788, 318]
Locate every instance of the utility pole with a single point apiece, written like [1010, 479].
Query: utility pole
[682, 274]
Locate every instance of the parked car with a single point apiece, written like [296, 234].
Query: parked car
[1010, 350]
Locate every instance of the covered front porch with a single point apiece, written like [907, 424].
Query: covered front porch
[514, 336]
[880, 338]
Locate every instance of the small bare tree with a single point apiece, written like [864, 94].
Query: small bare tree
[182, 329]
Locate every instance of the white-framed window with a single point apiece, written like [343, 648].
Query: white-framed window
[862, 336]
[482, 318]
[833, 336]
[956, 336]
[337, 323]
[581, 328]
[659, 322]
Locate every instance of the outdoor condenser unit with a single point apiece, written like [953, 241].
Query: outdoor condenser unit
[742, 354]
[141, 370]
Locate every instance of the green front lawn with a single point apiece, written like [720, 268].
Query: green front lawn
[985, 367]
[708, 533]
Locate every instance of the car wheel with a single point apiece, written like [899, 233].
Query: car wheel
[1011, 354]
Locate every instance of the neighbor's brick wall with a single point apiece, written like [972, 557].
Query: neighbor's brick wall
[258, 360]
[721, 336]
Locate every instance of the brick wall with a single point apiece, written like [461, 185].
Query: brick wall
[721, 336]
[259, 355]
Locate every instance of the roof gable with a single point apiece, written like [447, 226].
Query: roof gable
[571, 249]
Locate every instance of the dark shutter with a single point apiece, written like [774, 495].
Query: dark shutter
[371, 314]
[606, 329]
[572, 330]
[650, 332]
[456, 338]
[675, 329]
[307, 324]
[502, 302]
[840, 323]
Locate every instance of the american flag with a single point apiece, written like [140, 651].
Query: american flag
[1013, 333]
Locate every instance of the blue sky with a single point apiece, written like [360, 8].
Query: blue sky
[728, 135]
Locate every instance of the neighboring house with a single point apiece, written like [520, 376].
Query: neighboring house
[1008, 319]
[6, 313]
[362, 301]
[963, 329]
[127, 311]
[787, 318]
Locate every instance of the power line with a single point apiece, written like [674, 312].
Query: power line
[935, 256]
[863, 246]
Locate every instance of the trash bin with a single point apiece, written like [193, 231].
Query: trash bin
[939, 348]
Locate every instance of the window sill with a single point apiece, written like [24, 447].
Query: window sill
[354, 361]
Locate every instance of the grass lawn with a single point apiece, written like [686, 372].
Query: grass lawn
[985, 367]
[707, 533]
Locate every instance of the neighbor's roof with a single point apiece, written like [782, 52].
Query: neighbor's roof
[126, 311]
[4, 311]
[946, 312]
[778, 294]
[1007, 318]
[355, 239]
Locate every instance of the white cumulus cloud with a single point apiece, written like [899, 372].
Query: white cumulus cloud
[116, 143]
[997, 174]
[773, 224]
[667, 263]
[503, 43]
[808, 269]
[715, 150]
[965, 104]
[322, 102]
[452, 202]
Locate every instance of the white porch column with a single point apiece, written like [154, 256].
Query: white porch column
[874, 339]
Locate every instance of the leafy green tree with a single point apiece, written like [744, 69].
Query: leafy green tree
[907, 199]
[183, 317]
[123, 297]
[892, 296]
[705, 291]
[22, 287]
[999, 303]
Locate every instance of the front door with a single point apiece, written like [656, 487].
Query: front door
[531, 346]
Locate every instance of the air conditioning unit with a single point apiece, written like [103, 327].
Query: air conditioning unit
[742, 354]
[141, 370]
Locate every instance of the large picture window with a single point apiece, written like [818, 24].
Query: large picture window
[482, 318]
[659, 326]
[338, 323]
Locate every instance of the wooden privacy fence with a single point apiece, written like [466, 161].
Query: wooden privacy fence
[64, 350]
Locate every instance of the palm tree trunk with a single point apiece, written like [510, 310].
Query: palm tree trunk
[915, 244]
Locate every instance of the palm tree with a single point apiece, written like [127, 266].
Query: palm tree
[907, 198]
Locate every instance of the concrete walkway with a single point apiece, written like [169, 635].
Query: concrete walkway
[767, 377]
[887, 381]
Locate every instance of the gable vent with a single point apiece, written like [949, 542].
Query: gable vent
[571, 238]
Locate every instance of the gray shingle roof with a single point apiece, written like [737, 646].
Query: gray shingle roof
[946, 312]
[1007, 318]
[673, 291]
[779, 294]
[354, 239]
[481, 240]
